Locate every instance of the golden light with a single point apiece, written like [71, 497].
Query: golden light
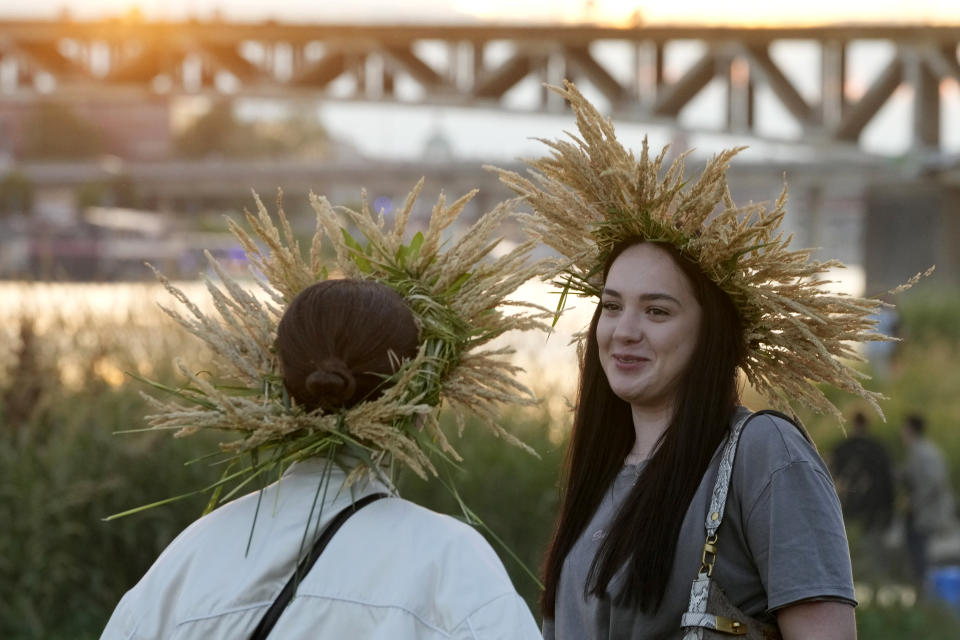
[709, 12]
[109, 372]
[739, 72]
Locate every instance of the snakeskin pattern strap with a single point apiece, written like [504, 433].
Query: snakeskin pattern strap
[697, 623]
[696, 618]
[718, 500]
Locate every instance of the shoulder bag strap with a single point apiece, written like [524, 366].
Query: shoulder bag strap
[696, 616]
[303, 568]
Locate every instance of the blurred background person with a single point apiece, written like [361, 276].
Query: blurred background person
[881, 354]
[928, 498]
[863, 475]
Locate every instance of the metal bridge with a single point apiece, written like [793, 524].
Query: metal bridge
[483, 65]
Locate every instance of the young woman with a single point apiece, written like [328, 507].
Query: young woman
[658, 393]
[365, 362]
[394, 570]
[683, 514]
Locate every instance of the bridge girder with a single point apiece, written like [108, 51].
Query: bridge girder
[278, 60]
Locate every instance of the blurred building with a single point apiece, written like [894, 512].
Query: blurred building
[110, 244]
[913, 224]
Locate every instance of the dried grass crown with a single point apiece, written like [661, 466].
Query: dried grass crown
[591, 194]
[456, 291]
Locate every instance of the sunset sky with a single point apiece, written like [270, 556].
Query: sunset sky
[747, 12]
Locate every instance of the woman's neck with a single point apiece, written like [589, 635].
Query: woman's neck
[649, 424]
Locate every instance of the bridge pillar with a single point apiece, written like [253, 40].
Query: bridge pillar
[478, 49]
[556, 70]
[298, 60]
[926, 103]
[833, 78]
[740, 98]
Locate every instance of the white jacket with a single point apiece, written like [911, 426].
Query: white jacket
[393, 571]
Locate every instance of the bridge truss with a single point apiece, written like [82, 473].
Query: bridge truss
[482, 65]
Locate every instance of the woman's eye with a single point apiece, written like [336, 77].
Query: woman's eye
[657, 311]
[610, 306]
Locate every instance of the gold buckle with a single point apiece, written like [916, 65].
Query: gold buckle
[730, 626]
[709, 555]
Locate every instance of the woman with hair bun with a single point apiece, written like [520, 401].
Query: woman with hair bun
[330, 550]
[339, 340]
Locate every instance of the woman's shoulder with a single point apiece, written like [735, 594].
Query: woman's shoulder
[775, 456]
[773, 441]
[417, 517]
[431, 532]
[394, 545]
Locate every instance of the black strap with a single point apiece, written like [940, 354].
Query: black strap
[303, 568]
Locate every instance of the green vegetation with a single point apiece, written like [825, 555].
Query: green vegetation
[16, 194]
[923, 378]
[62, 469]
[55, 132]
[219, 133]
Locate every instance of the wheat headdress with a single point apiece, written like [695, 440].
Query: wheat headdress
[592, 193]
[458, 298]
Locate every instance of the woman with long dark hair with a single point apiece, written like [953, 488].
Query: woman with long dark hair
[684, 514]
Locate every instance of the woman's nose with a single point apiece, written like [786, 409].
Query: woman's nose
[628, 329]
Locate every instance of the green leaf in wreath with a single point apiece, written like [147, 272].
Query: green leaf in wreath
[358, 255]
[415, 243]
[458, 284]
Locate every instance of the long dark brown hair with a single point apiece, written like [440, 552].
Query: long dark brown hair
[643, 535]
[339, 340]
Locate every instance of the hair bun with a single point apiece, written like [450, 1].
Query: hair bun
[332, 384]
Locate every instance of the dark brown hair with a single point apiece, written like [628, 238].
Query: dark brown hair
[340, 339]
[916, 423]
[643, 534]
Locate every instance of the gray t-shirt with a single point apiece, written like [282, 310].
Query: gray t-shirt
[782, 541]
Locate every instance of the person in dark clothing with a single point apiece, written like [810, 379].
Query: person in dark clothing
[863, 474]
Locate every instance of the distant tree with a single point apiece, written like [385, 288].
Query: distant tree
[301, 135]
[220, 133]
[55, 132]
[90, 194]
[215, 132]
[16, 194]
[124, 192]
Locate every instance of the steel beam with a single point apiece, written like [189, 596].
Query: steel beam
[45, 57]
[585, 63]
[323, 72]
[142, 68]
[833, 82]
[943, 61]
[227, 58]
[674, 97]
[417, 68]
[859, 115]
[497, 82]
[141, 52]
[766, 68]
[926, 104]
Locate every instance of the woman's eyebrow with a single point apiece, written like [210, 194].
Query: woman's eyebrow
[645, 297]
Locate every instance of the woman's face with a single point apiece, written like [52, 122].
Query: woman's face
[648, 326]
